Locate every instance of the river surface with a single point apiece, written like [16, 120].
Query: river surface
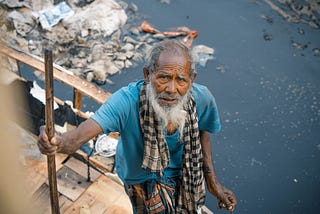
[268, 93]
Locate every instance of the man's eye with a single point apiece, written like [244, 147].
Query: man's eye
[163, 77]
[181, 79]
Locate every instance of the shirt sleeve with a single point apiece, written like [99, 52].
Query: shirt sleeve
[207, 110]
[113, 114]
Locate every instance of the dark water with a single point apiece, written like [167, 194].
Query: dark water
[268, 94]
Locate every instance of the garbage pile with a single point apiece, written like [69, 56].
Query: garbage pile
[91, 38]
[306, 11]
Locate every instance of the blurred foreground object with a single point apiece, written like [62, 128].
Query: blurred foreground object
[13, 192]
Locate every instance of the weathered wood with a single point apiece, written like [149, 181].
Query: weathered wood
[87, 88]
[101, 196]
[50, 132]
[41, 200]
[81, 168]
[95, 162]
[77, 99]
[70, 183]
[36, 172]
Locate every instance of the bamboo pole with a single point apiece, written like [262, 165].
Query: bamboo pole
[52, 177]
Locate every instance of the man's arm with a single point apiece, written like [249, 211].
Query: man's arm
[214, 187]
[68, 142]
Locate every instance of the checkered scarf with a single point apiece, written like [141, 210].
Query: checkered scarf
[156, 152]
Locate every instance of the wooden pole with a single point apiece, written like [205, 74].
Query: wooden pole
[77, 99]
[50, 132]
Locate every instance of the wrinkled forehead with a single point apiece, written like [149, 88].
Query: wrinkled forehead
[173, 60]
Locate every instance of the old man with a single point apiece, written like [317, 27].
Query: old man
[164, 153]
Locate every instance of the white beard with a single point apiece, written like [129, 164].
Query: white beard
[175, 115]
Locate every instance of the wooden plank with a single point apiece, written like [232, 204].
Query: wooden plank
[34, 178]
[36, 172]
[95, 162]
[118, 206]
[77, 99]
[70, 183]
[42, 200]
[82, 168]
[60, 73]
[65, 203]
[99, 197]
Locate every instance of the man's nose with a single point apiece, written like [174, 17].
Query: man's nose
[171, 87]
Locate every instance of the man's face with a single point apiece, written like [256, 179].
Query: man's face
[171, 79]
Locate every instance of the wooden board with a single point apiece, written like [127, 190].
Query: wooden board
[42, 200]
[60, 74]
[102, 196]
[82, 168]
[36, 172]
[70, 183]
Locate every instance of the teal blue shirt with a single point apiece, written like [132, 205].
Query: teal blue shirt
[120, 113]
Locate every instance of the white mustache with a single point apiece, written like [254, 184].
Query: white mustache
[168, 96]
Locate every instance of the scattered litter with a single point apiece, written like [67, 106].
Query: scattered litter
[202, 54]
[23, 22]
[255, 162]
[267, 36]
[15, 3]
[267, 18]
[50, 17]
[298, 11]
[103, 16]
[300, 31]
[221, 69]
[298, 45]
[40, 94]
[93, 39]
[165, 1]
[316, 52]
[188, 34]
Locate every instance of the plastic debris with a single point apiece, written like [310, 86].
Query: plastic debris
[14, 3]
[106, 146]
[40, 94]
[100, 17]
[23, 22]
[50, 17]
[202, 54]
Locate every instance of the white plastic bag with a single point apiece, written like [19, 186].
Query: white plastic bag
[52, 16]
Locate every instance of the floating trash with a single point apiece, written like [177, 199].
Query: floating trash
[316, 52]
[267, 36]
[202, 54]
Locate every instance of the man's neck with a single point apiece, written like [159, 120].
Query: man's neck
[171, 128]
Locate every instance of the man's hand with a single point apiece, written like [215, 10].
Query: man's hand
[226, 198]
[48, 147]
[70, 141]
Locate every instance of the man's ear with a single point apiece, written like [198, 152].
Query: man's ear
[146, 74]
[193, 77]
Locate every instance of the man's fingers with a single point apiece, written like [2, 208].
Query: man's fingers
[224, 202]
[54, 141]
[232, 200]
[45, 146]
[227, 201]
[47, 150]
